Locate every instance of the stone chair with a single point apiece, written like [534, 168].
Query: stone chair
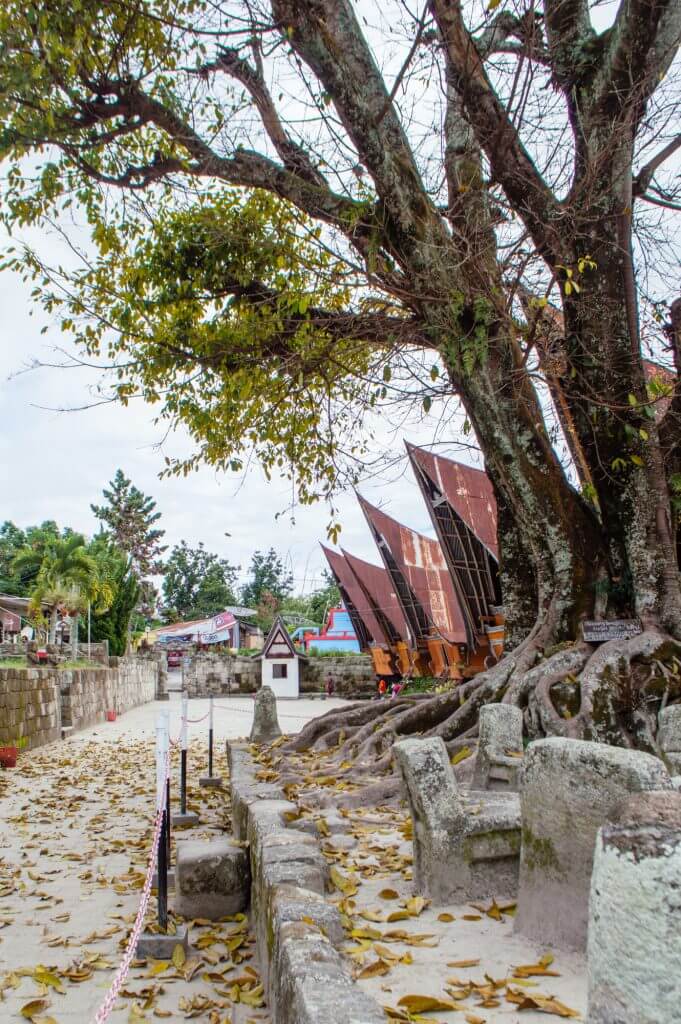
[568, 790]
[634, 946]
[501, 731]
[669, 737]
[465, 847]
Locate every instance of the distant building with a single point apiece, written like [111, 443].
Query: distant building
[280, 661]
[12, 609]
[337, 635]
[225, 628]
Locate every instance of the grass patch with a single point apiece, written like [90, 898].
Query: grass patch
[79, 663]
[18, 662]
[423, 685]
[314, 652]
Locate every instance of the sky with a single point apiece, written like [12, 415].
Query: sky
[54, 464]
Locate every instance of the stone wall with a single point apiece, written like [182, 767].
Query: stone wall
[88, 693]
[352, 675]
[30, 706]
[98, 652]
[212, 674]
[36, 703]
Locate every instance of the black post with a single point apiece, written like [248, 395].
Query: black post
[183, 782]
[210, 752]
[162, 867]
[168, 857]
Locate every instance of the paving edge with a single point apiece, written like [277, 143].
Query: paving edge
[298, 932]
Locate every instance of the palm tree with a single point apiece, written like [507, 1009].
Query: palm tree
[66, 577]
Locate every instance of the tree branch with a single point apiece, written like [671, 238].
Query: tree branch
[637, 53]
[569, 32]
[326, 35]
[245, 168]
[645, 175]
[294, 157]
[510, 162]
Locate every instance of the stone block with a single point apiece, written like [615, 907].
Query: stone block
[186, 820]
[311, 985]
[161, 947]
[634, 943]
[210, 781]
[265, 726]
[568, 790]
[501, 731]
[285, 904]
[212, 879]
[669, 737]
[463, 849]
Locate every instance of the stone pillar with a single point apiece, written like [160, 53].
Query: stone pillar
[569, 789]
[265, 722]
[501, 731]
[634, 947]
[669, 737]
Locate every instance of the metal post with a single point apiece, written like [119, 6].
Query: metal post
[165, 715]
[163, 873]
[162, 744]
[89, 623]
[210, 739]
[183, 767]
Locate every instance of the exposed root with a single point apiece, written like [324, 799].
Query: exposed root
[611, 693]
[622, 688]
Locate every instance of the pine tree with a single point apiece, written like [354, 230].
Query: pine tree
[129, 517]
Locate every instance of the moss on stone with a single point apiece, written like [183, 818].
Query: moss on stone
[539, 853]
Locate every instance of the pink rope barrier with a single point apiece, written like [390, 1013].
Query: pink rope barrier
[249, 711]
[107, 1006]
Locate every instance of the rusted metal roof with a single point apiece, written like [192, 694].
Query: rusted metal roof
[366, 625]
[468, 490]
[473, 566]
[420, 576]
[379, 597]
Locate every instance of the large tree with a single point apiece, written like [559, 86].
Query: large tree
[130, 519]
[196, 583]
[66, 577]
[316, 194]
[267, 575]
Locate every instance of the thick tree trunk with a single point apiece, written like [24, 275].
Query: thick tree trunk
[619, 435]
[549, 530]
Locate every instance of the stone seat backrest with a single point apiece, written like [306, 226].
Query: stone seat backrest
[431, 784]
[669, 737]
[568, 790]
[500, 735]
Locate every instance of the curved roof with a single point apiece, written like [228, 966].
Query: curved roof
[379, 595]
[468, 490]
[420, 562]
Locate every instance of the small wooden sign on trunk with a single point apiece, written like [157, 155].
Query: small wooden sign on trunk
[599, 632]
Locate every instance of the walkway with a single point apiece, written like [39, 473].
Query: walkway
[74, 842]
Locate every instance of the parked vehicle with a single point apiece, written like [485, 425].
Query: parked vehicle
[174, 659]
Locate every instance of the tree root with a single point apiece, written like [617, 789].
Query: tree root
[611, 694]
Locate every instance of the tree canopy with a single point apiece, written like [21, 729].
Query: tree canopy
[196, 583]
[130, 519]
[300, 212]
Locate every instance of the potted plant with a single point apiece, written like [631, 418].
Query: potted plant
[9, 754]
